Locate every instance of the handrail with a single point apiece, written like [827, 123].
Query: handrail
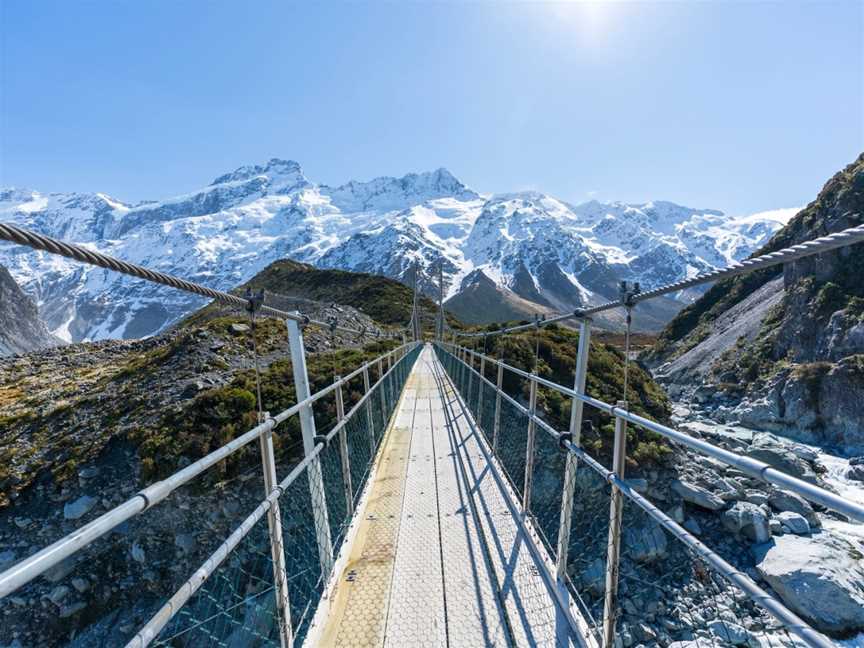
[37, 564]
[21, 236]
[753, 467]
[789, 619]
[161, 618]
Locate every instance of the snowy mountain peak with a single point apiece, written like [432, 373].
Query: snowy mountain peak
[277, 170]
[528, 248]
[388, 193]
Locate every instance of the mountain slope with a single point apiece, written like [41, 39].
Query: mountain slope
[21, 329]
[792, 338]
[532, 247]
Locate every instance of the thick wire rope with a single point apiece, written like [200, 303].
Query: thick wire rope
[21, 236]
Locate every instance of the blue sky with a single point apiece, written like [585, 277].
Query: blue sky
[737, 106]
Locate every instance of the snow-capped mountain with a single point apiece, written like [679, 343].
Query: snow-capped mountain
[524, 252]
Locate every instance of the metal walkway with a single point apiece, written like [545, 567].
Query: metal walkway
[437, 556]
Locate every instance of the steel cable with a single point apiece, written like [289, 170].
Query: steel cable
[21, 236]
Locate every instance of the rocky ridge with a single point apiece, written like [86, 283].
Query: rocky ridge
[782, 349]
[21, 328]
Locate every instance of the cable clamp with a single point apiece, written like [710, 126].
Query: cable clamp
[254, 300]
[564, 437]
[322, 439]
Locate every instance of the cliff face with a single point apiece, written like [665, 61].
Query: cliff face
[21, 329]
[783, 349]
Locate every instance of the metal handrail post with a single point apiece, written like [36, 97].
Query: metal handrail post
[496, 426]
[529, 447]
[369, 420]
[274, 525]
[470, 371]
[613, 548]
[307, 426]
[383, 394]
[571, 462]
[343, 452]
[480, 391]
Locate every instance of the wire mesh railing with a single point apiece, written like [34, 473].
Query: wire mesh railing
[636, 574]
[228, 610]
[237, 597]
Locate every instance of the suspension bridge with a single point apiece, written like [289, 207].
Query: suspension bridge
[442, 510]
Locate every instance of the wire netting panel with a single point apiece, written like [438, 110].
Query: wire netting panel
[513, 444]
[334, 490]
[589, 534]
[486, 416]
[547, 490]
[361, 447]
[236, 606]
[302, 554]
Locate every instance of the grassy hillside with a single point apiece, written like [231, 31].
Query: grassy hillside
[386, 301]
[557, 362]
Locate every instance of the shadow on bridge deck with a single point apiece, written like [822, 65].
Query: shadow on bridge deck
[437, 554]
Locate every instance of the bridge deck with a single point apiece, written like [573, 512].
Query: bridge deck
[437, 556]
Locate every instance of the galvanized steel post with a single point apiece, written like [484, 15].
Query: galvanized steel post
[307, 426]
[343, 451]
[480, 391]
[576, 439]
[496, 426]
[369, 420]
[529, 446]
[274, 524]
[470, 378]
[613, 549]
[383, 393]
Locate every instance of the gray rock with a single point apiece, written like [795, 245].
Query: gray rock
[747, 520]
[58, 594]
[645, 544]
[693, 526]
[775, 526]
[80, 584]
[138, 554]
[794, 523]
[821, 578]
[73, 608]
[79, 508]
[756, 497]
[185, 542]
[732, 632]
[594, 577]
[780, 456]
[60, 571]
[88, 473]
[856, 473]
[781, 500]
[697, 495]
[6, 559]
[236, 329]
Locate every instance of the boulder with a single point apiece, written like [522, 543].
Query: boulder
[856, 473]
[820, 578]
[79, 508]
[781, 500]
[237, 329]
[794, 523]
[747, 520]
[645, 544]
[732, 633]
[780, 456]
[697, 495]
